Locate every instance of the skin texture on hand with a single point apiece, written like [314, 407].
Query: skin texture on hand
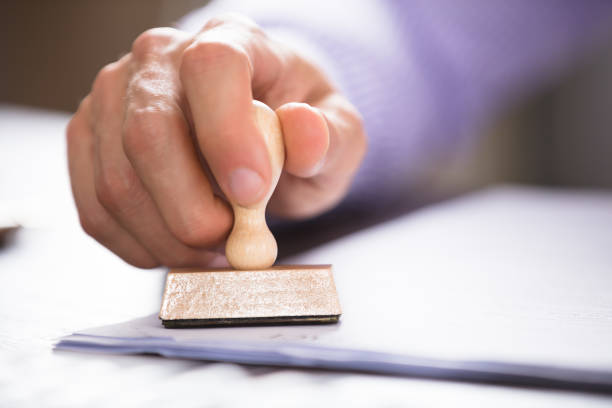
[168, 132]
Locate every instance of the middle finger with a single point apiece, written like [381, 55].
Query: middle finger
[119, 189]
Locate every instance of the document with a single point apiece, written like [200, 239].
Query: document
[510, 288]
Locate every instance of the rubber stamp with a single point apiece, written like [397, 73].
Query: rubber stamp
[252, 291]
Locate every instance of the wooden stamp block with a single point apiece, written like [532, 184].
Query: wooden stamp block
[254, 292]
[277, 295]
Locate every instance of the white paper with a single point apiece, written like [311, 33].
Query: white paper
[503, 286]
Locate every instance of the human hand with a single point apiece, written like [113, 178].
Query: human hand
[168, 132]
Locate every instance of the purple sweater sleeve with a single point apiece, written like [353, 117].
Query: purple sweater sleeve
[426, 74]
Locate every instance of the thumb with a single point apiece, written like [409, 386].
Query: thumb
[238, 159]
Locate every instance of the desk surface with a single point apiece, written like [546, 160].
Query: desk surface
[54, 280]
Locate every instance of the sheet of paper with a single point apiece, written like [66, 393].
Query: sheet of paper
[505, 286]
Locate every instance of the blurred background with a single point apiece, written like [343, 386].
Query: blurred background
[560, 136]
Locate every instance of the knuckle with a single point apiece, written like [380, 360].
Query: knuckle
[96, 226]
[145, 129]
[93, 225]
[78, 122]
[197, 232]
[153, 41]
[153, 86]
[105, 78]
[169, 260]
[116, 188]
[204, 54]
[143, 262]
[72, 134]
[84, 106]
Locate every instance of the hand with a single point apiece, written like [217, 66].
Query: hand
[168, 129]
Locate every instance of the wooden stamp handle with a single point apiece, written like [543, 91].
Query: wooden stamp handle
[251, 245]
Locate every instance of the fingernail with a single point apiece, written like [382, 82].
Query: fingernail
[245, 185]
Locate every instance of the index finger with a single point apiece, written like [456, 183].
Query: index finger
[219, 69]
[157, 142]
